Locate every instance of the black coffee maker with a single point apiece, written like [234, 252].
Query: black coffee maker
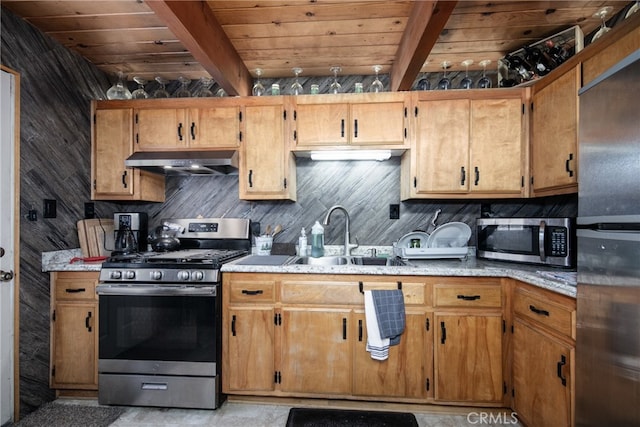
[130, 229]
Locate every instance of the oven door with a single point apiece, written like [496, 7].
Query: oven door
[159, 330]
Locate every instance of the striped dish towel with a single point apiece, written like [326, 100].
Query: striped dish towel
[377, 346]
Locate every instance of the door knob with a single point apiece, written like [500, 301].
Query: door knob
[6, 276]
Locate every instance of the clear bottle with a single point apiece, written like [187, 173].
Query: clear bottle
[302, 243]
[317, 240]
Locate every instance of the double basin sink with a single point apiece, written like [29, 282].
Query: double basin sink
[347, 260]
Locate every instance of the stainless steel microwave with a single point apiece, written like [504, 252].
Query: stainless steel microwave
[548, 241]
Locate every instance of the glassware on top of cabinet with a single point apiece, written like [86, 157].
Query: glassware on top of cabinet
[206, 83]
[445, 82]
[161, 92]
[466, 82]
[296, 87]
[258, 89]
[139, 93]
[183, 91]
[119, 90]
[335, 86]
[377, 85]
[602, 14]
[424, 83]
[484, 82]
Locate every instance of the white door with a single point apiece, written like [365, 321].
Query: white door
[8, 229]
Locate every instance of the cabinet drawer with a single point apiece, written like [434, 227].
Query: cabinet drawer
[321, 292]
[477, 296]
[541, 309]
[413, 292]
[252, 291]
[71, 286]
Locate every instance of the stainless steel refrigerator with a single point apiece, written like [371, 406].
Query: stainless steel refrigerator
[608, 296]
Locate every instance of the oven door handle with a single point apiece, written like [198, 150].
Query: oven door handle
[157, 290]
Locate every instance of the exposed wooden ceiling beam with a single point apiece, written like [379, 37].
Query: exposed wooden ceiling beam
[425, 24]
[197, 28]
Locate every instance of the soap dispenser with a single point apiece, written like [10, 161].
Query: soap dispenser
[302, 243]
[317, 240]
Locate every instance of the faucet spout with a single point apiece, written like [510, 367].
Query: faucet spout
[326, 221]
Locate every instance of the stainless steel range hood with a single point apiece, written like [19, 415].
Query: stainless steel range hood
[185, 162]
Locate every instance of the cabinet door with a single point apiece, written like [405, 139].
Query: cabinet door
[322, 124]
[316, 350]
[496, 146]
[161, 129]
[217, 127]
[442, 147]
[250, 350]
[377, 123]
[74, 346]
[542, 380]
[405, 373]
[554, 134]
[263, 174]
[112, 144]
[468, 358]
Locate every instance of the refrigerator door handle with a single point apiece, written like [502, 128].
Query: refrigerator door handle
[542, 231]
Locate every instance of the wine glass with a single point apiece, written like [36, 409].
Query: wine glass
[183, 91]
[424, 83]
[119, 90]
[633, 9]
[602, 14]
[466, 82]
[335, 86]
[161, 92]
[221, 93]
[445, 82]
[206, 83]
[377, 85]
[258, 89]
[484, 82]
[296, 87]
[139, 93]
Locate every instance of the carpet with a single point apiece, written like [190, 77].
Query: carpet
[60, 415]
[312, 417]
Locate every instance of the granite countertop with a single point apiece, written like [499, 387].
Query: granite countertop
[558, 280]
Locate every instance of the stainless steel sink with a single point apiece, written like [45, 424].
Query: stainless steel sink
[345, 260]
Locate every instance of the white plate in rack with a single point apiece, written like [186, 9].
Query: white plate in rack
[450, 235]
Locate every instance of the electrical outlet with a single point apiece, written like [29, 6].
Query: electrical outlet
[89, 210]
[49, 208]
[32, 215]
[394, 211]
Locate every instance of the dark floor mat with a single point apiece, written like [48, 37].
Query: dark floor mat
[311, 417]
[62, 415]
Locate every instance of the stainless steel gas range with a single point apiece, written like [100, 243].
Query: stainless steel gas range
[160, 318]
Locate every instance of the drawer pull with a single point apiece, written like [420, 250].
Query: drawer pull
[75, 290]
[248, 292]
[469, 297]
[561, 363]
[538, 311]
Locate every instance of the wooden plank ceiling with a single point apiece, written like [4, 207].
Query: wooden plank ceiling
[228, 40]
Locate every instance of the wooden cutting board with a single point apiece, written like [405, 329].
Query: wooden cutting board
[96, 237]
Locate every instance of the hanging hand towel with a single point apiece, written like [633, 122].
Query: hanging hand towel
[378, 347]
[389, 305]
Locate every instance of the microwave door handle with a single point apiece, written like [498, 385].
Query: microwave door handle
[542, 231]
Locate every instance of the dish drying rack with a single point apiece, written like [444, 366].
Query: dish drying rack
[431, 253]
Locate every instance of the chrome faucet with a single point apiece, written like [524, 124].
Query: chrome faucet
[347, 244]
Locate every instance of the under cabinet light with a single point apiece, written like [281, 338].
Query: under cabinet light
[378, 155]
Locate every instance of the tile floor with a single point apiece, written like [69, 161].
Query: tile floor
[236, 414]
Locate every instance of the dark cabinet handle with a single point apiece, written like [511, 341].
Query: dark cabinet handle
[463, 175]
[360, 330]
[468, 297]
[75, 290]
[538, 310]
[443, 333]
[193, 130]
[477, 173]
[355, 128]
[124, 179]
[344, 328]
[180, 131]
[248, 292]
[87, 321]
[567, 166]
[342, 128]
[233, 325]
[561, 363]
[250, 177]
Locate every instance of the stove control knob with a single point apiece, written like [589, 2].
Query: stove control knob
[129, 274]
[156, 275]
[197, 275]
[115, 274]
[183, 275]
